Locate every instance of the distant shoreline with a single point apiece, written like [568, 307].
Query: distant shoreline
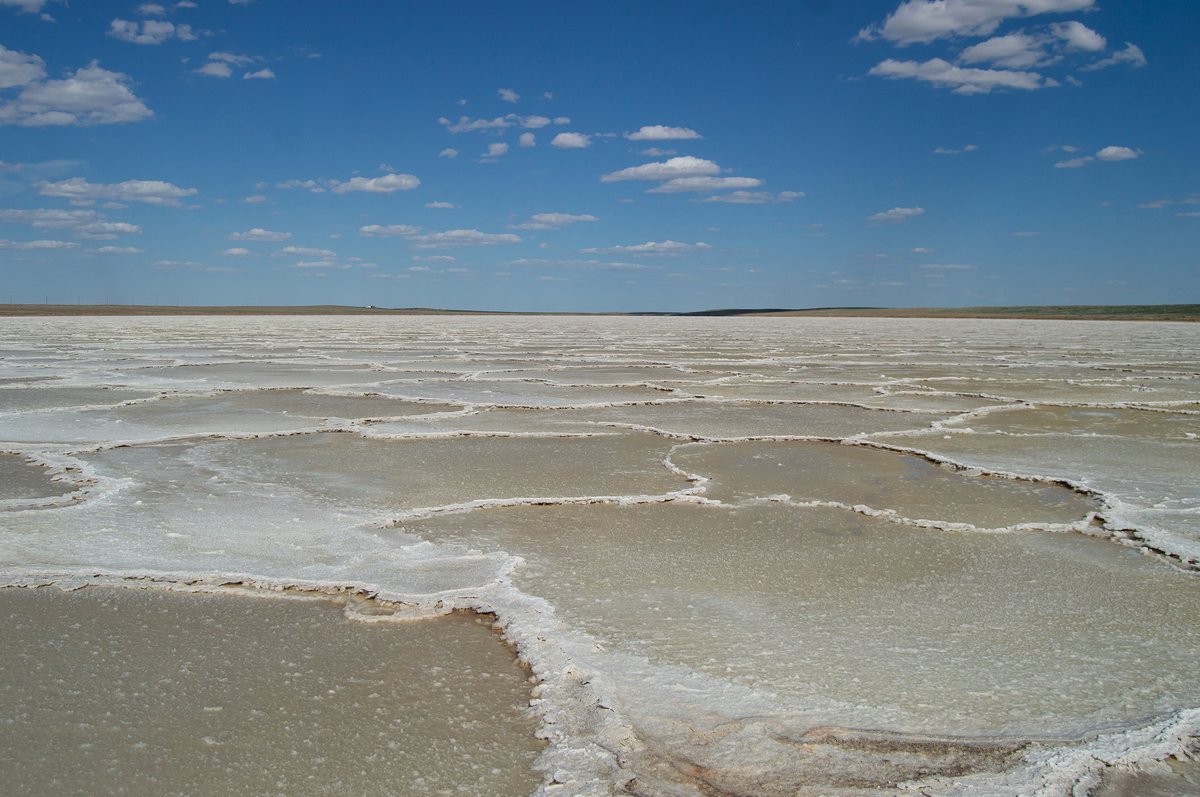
[1152, 312]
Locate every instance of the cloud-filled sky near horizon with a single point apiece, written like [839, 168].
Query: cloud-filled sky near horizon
[619, 156]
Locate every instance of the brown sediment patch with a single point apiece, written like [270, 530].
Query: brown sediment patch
[151, 691]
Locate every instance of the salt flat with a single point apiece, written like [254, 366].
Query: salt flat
[746, 556]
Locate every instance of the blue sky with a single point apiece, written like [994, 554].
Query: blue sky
[617, 156]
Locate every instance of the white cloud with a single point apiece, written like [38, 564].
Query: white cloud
[25, 6]
[1132, 55]
[50, 218]
[1079, 37]
[107, 230]
[448, 152]
[388, 231]
[304, 251]
[920, 21]
[150, 192]
[236, 251]
[151, 10]
[562, 120]
[534, 122]
[528, 140]
[466, 124]
[1116, 154]
[662, 133]
[704, 184]
[435, 258]
[149, 31]
[36, 245]
[1012, 51]
[262, 74]
[91, 96]
[441, 205]
[232, 58]
[254, 199]
[656, 152]
[308, 185]
[553, 221]
[375, 185]
[950, 151]
[19, 69]
[895, 215]
[754, 197]
[1074, 163]
[571, 141]
[456, 238]
[684, 166]
[1189, 214]
[215, 69]
[118, 250]
[943, 74]
[508, 95]
[259, 234]
[496, 150]
[666, 248]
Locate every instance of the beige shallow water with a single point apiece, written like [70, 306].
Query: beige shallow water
[862, 622]
[910, 486]
[120, 691]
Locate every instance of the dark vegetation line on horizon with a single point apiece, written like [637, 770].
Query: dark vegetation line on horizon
[1150, 312]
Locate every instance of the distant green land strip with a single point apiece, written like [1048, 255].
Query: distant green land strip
[1123, 312]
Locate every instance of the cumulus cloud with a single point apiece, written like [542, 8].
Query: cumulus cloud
[704, 184]
[950, 151]
[254, 199]
[456, 238]
[495, 150]
[1079, 37]
[466, 124]
[666, 248]
[683, 166]
[215, 69]
[1012, 51]
[35, 245]
[1074, 163]
[388, 231]
[149, 31]
[662, 133]
[19, 69]
[118, 250]
[50, 218]
[895, 215]
[236, 251]
[921, 21]
[1116, 154]
[1110, 154]
[25, 6]
[571, 141]
[962, 80]
[528, 140]
[553, 221]
[386, 184]
[261, 235]
[149, 192]
[303, 251]
[441, 205]
[754, 197]
[91, 96]
[107, 230]
[1132, 55]
[262, 74]
[533, 122]
[448, 152]
[508, 95]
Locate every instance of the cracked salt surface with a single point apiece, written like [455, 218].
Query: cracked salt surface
[934, 606]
